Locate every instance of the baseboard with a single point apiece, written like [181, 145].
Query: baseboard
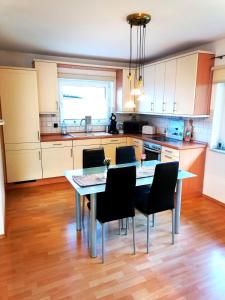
[2, 236]
[214, 200]
[39, 182]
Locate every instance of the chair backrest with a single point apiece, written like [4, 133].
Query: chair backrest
[117, 202]
[93, 158]
[125, 154]
[163, 187]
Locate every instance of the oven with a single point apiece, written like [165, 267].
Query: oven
[152, 151]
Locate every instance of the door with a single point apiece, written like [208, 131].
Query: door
[159, 88]
[47, 86]
[186, 84]
[19, 103]
[146, 104]
[23, 165]
[170, 85]
[55, 161]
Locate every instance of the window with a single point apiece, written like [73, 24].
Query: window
[85, 97]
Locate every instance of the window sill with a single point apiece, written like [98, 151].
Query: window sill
[218, 150]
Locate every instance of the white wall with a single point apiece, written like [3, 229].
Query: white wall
[214, 180]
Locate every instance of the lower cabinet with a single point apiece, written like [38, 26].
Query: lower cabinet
[110, 146]
[169, 154]
[79, 146]
[56, 158]
[23, 162]
[138, 146]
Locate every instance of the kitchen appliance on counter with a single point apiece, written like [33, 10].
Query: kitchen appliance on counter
[112, 125]
[133, 126]
[147, 129]
[152, 151]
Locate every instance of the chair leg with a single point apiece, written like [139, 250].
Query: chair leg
[126, 226]
[88, 228]
[133, 224]
[103, 243]
[173, 225]
[119, 221]
[147, 233]
[153, 220]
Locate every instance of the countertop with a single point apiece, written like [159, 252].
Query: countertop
[180, 145]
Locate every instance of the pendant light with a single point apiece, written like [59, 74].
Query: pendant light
[138, 20]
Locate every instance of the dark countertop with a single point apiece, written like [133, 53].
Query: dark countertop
[180, 145]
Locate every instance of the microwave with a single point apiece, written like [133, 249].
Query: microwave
[133, 126]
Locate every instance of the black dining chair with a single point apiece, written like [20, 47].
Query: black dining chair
[125, 154]
[117, 202]
[92, 158]
[160, 196]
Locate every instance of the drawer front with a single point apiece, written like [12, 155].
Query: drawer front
[168, 158]
[57, 144]
[87, 142]
[170, 151]
[22, 146]
[114, 141]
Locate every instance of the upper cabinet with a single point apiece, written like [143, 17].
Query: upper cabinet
[47, 86]
[178, 86]
[19, 105]
[193, 84]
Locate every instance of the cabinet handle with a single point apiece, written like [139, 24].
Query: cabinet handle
[114, 140]
[57, 144]
[174, 107]
[39, 155]
[168, 151]
[152, 106]
[71, 152]
[57, 105]
[167, 156]
[164, 106]
[38, 135]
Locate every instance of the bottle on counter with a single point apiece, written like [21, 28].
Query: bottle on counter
[188, 130]
[63, 128]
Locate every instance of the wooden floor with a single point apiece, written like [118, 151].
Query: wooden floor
[43, 257]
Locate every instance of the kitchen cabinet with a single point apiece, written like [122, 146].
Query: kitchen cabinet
[169, 154]
[193, 84]
[56, 158]
[19, 105]
[79, 146]
[146, 103]
[125, 101]
[23, 162]
[110, 145]
[138, 147]
[47, 86]
[159, 106]
[169, 86]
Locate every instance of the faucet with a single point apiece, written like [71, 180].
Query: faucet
[87, 121]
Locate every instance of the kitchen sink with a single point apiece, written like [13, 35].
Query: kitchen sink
[81, 134]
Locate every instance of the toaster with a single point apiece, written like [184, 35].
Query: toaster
[148, 129]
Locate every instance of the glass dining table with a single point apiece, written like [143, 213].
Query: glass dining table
[92, 189]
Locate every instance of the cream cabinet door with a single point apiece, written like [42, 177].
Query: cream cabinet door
[78, 154]
[159, 106]
[47, 86]
[138, 146]
[186, 76]
[19, 104]
[23, 165]
[55, 161]
[146, 103]
[170, 85]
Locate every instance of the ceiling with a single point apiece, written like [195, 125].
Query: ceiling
[98, 28]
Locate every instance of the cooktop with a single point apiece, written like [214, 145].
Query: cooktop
[164, 139]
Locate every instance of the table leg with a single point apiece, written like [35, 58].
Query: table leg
[78, 211]
[93, 225]
[178, 205]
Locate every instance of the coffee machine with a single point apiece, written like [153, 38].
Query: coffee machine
[112, 125]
